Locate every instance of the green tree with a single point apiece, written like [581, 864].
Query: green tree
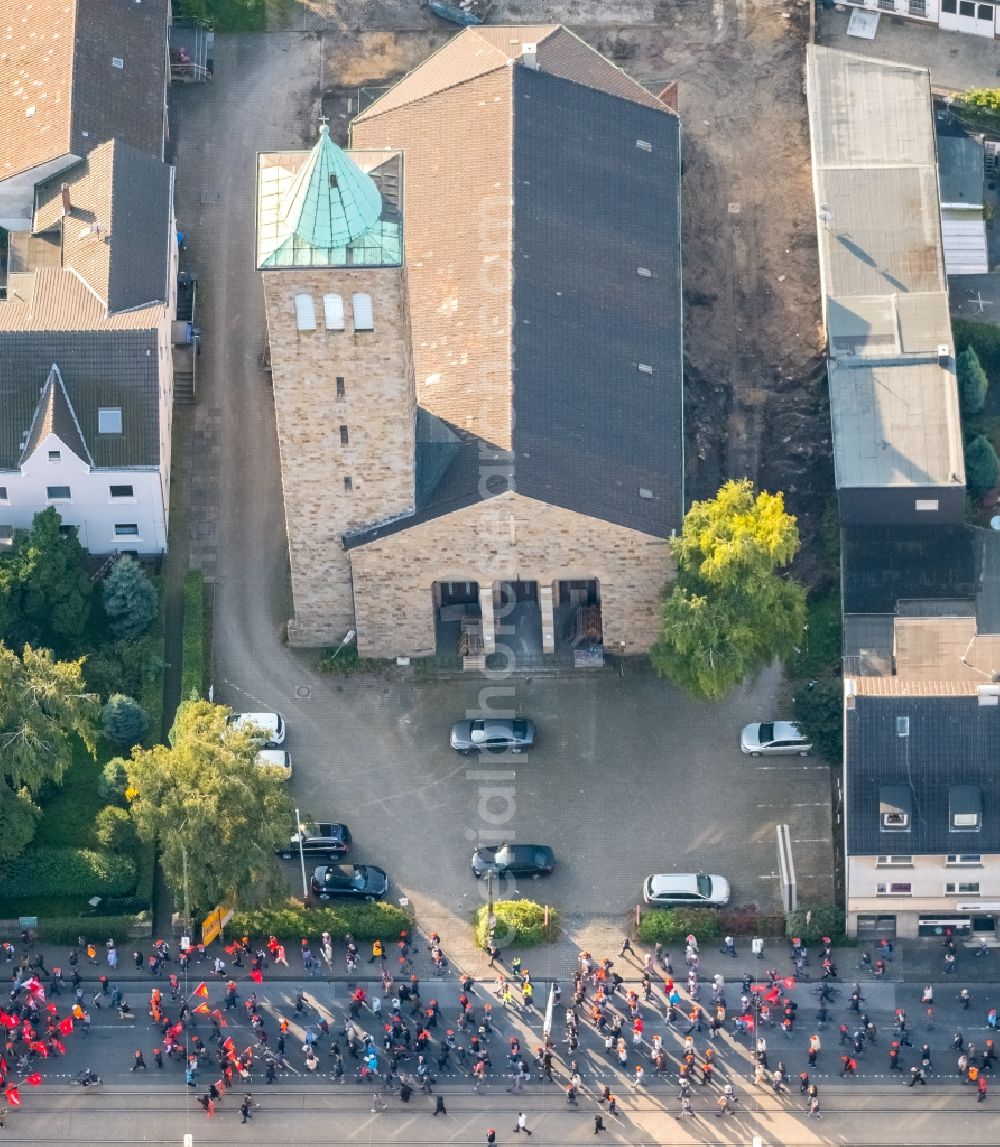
[981, 464]
[43, 704]
[113, 781]
[44, 589]
[972, 382]
[124, 719]
[205, 795]
[819, 711]
[729, 611]
[130, 598]
[114, 830]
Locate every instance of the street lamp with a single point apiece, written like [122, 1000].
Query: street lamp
[302, 854]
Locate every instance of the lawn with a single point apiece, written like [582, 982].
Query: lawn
[68, 811]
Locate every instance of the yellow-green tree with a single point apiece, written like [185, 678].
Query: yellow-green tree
[730, 611]
[205, 796]
[44, 703]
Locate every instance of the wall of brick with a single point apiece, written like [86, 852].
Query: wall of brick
[378, 410]
[504, 538]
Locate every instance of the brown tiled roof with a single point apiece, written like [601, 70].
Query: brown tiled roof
[459, 248]
[60, 91]
[475, 51]
[59, 300]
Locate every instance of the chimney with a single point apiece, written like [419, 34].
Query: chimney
[529, 56]
[67, 207]
[668, 96]
[944, 355]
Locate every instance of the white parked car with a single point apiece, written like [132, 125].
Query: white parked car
[686, 890]
[276, 759]
[268, 728]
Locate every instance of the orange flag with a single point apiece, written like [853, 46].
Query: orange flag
[202, 990]
[202, 1009]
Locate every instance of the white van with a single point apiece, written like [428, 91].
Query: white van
[268, 728]
[276, 759]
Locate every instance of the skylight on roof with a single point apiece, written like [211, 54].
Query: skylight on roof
[643, 145]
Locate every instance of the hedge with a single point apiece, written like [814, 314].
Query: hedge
[96, 930]
[193, 639]
[374, 921]
[520, 923]
[68, 872]
[151, 695]
[667, 925]
[824, 920]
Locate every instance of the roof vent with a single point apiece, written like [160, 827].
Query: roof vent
[902, 726]
[29, 111]
[644, 493]
[117, 62]
[644, 272]
[645, 368]
[529, 56]
[988, 694]
[944, 354]
[643, 145]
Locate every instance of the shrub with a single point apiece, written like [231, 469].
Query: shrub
[130, 599]
[748, 921]
[668, 925]
[124, 666]
[362, 921]
[520, 923]
[68, 872]
[818, 707]
[985, 339]
[986, 99]
[972, 382]
[113, 781]
[824, 920]
[981, 464]
[113, 830]
[193, 641]
[124, 720]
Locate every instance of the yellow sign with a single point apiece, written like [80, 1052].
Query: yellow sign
[214, 922]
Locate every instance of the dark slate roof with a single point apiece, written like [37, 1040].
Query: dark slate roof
[590, 207]
[953, 743]
[962, 169]
[883, 565]
[98, 369]
[988, 568]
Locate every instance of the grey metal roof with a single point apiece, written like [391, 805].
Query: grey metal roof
[590, 207]
[894, 405]
[98, 369]
[962, 164]
[947, 763]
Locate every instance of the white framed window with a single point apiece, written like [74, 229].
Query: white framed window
[926, 504]
[965, 822]
[333, 312]
[918, 8]
[109, 420]
[897, 888]
[118, 493]
[127, 530]
[305, 313]
[897, 860]
[58, 493]
[55, 456]
[364, 319]
[962, 888]
[955, 859]
[3, 495]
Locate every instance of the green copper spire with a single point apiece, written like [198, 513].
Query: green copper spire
[331, 201]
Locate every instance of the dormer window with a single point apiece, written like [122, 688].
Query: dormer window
[965, 808]
[894, 808]
[55, 456]
[109, 420]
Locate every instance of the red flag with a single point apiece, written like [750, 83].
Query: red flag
[229, 1045]
[34, 1079]
[230, 949]
[60, 1046]
[257, 976]
[13, 1096]
[42, 1050]
[202, 1009]
[52, 1008]
[202, 990]
[789, 981]
[66, 1025]
[8, 1021]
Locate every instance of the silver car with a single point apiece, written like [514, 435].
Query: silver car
[494, 734]
[774, 738]
[686, 889]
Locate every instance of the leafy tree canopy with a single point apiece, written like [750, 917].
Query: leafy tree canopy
[729, 612]
[43, 704]
[206, 795]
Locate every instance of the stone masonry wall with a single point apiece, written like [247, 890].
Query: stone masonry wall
[504, 538]
[377, 410]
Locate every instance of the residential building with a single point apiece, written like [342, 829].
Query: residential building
[897, 437]
[969, 16]
[474, 318]
[921, 795]
[88, 291]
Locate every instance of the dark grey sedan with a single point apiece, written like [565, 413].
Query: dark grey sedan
[350, 881]
[493, 734]
[514, 860]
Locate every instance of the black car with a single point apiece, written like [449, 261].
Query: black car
[318, 840]
[514, 860]
[352, 881]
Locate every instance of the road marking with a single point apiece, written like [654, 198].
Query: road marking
[805, 804]
[785, 768]
[490, 775]
[719, 12]
[811, 840]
